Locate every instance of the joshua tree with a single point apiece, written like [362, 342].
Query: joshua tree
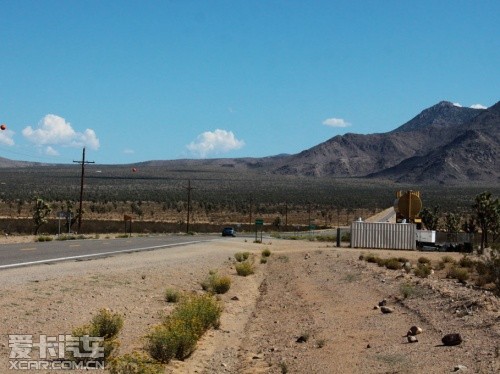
[41, 210]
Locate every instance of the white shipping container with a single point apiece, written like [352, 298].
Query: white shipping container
[382, 235]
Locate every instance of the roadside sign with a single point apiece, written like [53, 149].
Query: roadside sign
[61, 215]
[259, 221]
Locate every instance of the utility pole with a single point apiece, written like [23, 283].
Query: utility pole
[189, 189]
[83, 162]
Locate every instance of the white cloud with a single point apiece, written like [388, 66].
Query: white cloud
[128, 151]
[478, 106]
[457, 105]
[6, 137]
[54, 130]
[336, 122]
[49, 151]
[219, 141]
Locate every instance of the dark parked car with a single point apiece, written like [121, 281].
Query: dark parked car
[228, 231]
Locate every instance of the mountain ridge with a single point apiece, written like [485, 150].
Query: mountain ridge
[442, 144]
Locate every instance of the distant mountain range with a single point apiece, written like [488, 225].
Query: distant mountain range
[444, 144]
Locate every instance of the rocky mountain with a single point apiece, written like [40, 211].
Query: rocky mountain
[443, 144]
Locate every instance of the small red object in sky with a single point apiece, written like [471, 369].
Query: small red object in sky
[3, 126]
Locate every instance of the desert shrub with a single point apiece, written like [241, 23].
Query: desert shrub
[178, 334]
[215, 283]
[393, 264]
[134, 363]
[403, 260]
[458, 273]
[448, 260]
[241, 256]
[172, 296]
[244, 268]
[361, 257]
[466, 262]
[380, 261]
[406, 290]
[263, 260]
[44, 238]
[221, 285]
[489, 272]
[104, 324]
[423, 270]
[424, 260]
[370, 257]
[266, 252]
[440, 265]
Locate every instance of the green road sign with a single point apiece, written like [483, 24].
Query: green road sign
[259, 221]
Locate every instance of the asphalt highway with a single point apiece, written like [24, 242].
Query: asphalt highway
[25, 254]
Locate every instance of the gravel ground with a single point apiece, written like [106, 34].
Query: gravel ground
[311, 308]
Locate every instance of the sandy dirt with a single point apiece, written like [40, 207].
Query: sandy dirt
[310, 309]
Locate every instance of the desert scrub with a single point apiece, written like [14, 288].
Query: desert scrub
[177, 336]
[104, 324]
[393, 264]
[263, 260]
[458, 273]
[406, 290]
[467, 262]
[44, 238]
[266, 252]
[241, 256]
[448, 259]
[216, 283]
[172, 296]
[134, 363]
[244, 268]
[423, 270]
[424, 260]
[370, 257]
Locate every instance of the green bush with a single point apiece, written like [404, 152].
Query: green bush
[44, 238]
[467, 262]
[448, 259]
[215, 283]
[393, 264]
[458, 273]
[263, 260]
[172, 296]
[178, 334]
[424, 260]
[244, 268]
[407, 290]
[266, 252]
[370, 257]
[104, 324]
[423, 270]
[241, 256]
[135, 363]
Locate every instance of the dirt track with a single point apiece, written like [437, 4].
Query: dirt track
[312, 290]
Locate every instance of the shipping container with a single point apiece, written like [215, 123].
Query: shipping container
[382, 235]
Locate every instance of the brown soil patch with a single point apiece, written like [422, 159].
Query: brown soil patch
[308, 291]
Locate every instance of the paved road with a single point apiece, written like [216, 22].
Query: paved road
[24, 254]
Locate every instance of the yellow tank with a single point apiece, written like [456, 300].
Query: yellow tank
[408, 206]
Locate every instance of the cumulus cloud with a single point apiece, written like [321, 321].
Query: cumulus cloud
[218, 141]
[6, 137]
[478, 106]
[53, 130]
[128, 151]
[336, 122]
[51, 151]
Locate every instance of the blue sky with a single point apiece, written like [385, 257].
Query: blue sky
[160, 80]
